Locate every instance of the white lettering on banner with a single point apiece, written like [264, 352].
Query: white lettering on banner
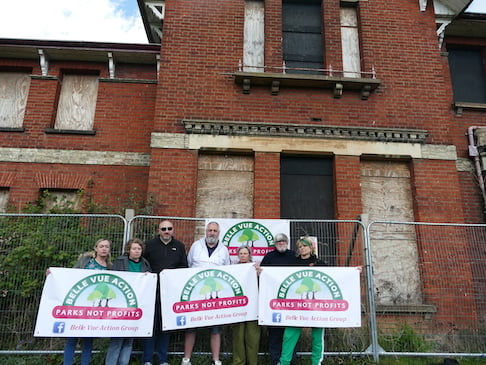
[66, 308]
[99, 279]
[305, 297]
[229, 295]
[235, 285]
[209, 304]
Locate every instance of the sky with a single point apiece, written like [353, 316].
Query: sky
[477, 6]
[117, 21]
[113, 21]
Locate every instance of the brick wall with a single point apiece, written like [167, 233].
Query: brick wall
[267, 186]
[117, 187]
[114, 159]
[203, 42]
[437, 193]
[173, 179]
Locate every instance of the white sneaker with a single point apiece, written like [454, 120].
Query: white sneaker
[185, 361]
[217, 362]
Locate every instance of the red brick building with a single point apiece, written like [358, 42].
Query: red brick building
[104, 149]
[243, 100]
[265, 109]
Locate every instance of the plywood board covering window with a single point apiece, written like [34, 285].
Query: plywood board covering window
[61, 200]
[387, 196]
[77, 102]
[4, 194]
[225, 186]
[254, 37]
[14, 89]
[350, 42]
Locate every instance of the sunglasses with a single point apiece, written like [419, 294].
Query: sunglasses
[163, 229]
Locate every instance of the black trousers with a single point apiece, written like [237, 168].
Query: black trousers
[275, 339]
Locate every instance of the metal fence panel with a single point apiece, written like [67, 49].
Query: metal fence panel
[446, 312]
[423, 284]
[339, 243]
[29, 244]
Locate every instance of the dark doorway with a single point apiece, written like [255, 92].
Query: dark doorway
[307, 193]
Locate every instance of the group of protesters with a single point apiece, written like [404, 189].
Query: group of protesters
[166, 252]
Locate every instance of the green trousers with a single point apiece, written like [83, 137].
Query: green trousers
[290, 339]
[246, 342]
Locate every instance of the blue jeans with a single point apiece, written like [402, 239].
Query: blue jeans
[119, 351]
[70, 347]
[159, 343]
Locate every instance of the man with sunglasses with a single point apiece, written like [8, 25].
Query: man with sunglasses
[162, 252]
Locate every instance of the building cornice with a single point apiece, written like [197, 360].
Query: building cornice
[237, 128]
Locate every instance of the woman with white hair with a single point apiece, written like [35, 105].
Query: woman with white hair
[246, 335]
[306, 256]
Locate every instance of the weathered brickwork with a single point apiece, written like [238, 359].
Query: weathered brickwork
[113, 161]
[150, 129]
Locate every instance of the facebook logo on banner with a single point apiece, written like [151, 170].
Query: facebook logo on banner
[181, 320]
[276, 317]
[58, 327]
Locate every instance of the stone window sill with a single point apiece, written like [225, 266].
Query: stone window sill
[12, 129]
[69, 131]
[460, 106]
[277, 80]
[425, 310]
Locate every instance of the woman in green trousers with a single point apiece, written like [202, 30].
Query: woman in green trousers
[305, 257]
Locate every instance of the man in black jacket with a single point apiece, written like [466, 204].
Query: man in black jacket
[281, 256]
[162, 252]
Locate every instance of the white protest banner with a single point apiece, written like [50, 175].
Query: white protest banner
[257, 234]
[310, 297]
[96, 303]
[199, 297]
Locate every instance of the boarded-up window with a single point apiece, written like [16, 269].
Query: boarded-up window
[14, 89]
[4, 194]
[350, 42]
[225, 186]
[77, 102]
[254, 37]
[61, 200]
[302, 35]
[387, 196]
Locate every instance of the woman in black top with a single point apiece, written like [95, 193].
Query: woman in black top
[306, 256]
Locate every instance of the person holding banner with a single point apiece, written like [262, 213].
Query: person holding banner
[162, 252]
[280, 256]
[306, 256]
[120, 348]
[98, 259]
[206, 252]
[246, 335]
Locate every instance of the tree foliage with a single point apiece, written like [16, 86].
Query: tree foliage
[29, 244]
